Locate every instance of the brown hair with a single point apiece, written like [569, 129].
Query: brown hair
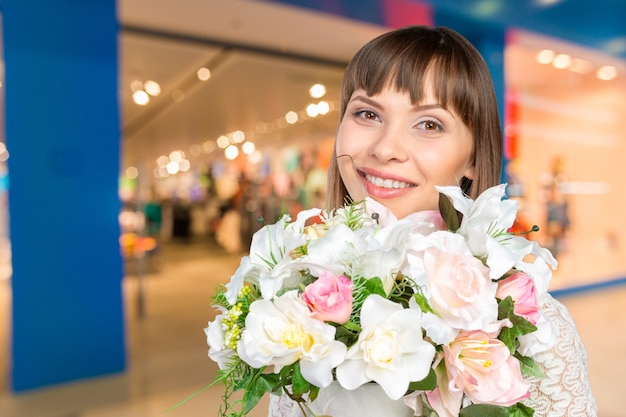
[403, 59]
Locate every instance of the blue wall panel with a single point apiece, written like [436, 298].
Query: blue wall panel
[62, 131]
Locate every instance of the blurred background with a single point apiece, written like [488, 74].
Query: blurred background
[144, 138]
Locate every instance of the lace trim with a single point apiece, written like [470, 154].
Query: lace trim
[565, 390]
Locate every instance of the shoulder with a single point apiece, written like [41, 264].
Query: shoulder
[565, 389]
[560, 316]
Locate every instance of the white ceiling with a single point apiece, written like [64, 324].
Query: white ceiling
[263, 58]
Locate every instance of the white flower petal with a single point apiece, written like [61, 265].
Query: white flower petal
[541, 340]
[499, 259]
[282, 332]
[438, 330]
[319, 372]
[245, 269]
[351, 373]
[460, 201]
[389, 350]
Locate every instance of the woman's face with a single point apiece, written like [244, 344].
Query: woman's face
[402, 151]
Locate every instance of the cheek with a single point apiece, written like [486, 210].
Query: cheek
[444, 167]
[343, 144]
[347, 151]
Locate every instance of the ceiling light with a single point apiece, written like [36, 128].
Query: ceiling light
[141, 98]
[177, 156]
[184, 165]
[231, 152]
[131, 172]
[312, 110]
[153, 88]
[606, 73]
[204, 74]
[162, 160]
[291, 117]
[248, 148]
[545, 56]
[562, 61]
[173, 167]
[317, 90]
[323, 107]
[223, 142]
[238, 136]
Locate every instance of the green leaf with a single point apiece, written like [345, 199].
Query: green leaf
[521, 326]
[284, 374]
[298, 383]
[484, 410]
[351, 326]
[422, 301]
[448, 212]
[375, 286]
[529, 366]
[507, 336]
[314, 392]
[245, 380]
[427, 384]
[521, 410]
[505, 308]
[346, 336]
[262, 384]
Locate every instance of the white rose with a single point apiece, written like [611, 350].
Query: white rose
[282, 332]
[390, 349]
[458, 286]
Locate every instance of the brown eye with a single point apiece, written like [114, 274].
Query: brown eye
[430, 125]
[370, 115]
[367, 115]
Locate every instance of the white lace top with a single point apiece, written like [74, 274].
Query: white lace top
[564, 391]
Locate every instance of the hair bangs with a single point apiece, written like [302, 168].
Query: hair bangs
[401, 65]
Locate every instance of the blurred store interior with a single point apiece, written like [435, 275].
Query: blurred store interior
[227, 113]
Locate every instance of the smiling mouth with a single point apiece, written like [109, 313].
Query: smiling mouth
[387, 183]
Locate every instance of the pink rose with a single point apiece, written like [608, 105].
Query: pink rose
[329, 298]
[459, 288]
[522, 290]
[484, 369]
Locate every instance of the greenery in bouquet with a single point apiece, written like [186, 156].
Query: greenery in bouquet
[439, 308]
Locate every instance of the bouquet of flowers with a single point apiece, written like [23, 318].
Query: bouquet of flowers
[439, 309]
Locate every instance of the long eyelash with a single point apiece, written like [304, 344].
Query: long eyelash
[435, 122]
[361, 113]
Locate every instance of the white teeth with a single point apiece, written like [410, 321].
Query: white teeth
[379, 182]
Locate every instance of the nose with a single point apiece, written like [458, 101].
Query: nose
[390, 145]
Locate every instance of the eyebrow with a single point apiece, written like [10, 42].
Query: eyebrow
[420, 107]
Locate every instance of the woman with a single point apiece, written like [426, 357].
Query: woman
[418, 109]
